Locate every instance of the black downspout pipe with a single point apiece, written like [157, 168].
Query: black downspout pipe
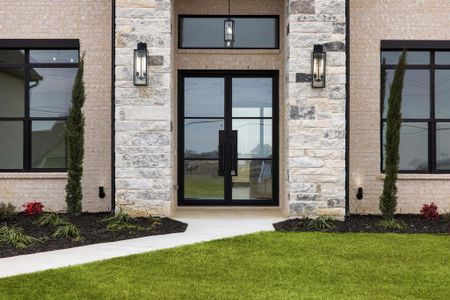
[347, 110]
[113, 106]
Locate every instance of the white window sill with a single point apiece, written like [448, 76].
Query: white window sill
[36, 175]
[419, 176]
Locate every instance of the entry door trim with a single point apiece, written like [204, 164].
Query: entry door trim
[275, 135]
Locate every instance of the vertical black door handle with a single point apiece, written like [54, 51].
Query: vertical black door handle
[234, 153]
[222, 151]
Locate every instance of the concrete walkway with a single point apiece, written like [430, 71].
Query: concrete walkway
[205, 224]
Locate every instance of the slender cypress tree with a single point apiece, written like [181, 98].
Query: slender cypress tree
[74, 135]
[388, 200]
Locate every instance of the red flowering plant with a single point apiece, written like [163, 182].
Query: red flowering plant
[33, 208]
[430, 211]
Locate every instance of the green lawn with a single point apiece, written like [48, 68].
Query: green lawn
[260, 266]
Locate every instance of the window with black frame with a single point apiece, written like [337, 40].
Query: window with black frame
[35, 97]
[208, 32]
[425, 130]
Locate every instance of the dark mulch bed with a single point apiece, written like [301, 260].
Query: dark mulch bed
[360, 223]
[92, 230]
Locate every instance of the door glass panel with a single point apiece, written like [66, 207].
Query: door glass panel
[416, 93]
[51, 91]
[12, 92]
[201, 139]
[204, 97]
[254, 180]
[11, 149]
[48, 144]
[202, 180]
[414, 57]
[443, 146]
[443, 94]
[413, 146]
[254, 138]
[252, 97]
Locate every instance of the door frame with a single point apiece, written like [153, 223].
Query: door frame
[275, 135]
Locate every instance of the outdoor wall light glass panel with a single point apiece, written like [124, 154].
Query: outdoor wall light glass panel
[229, 33]
[140, 75]
[318, 67]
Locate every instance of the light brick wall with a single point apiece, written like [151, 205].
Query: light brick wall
[90, 22]
[316, 125]
[373, 21]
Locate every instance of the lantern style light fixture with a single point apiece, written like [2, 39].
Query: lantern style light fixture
[318, 67]
[229, 29]
[140, 75]
[229, 33]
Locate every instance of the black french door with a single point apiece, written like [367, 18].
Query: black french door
[228, 138]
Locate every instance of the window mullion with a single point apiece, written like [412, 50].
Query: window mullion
[26, 133]
[432, 125]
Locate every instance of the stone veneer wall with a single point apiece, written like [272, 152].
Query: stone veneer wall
[314, 129]
[143, 114]
[316, 126]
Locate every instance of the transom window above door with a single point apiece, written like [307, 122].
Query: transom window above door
[208, 32]
[36, 81]
[425, 130]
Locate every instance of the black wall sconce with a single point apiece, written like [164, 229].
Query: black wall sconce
[318, 67]
[229, 29]
[101, 192]
[360, 193]
[140, 76]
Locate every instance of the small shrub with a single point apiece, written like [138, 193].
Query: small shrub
[392, 224]
[120, 221]
[67, 231]
[33, 208]
[16, 237]
[154, 222]
[430, 211]
[7, 212]
[320, 223]
[52, 219]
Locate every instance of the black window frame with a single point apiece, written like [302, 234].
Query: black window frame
[417, 46]
[277, 37]
[26, 119]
